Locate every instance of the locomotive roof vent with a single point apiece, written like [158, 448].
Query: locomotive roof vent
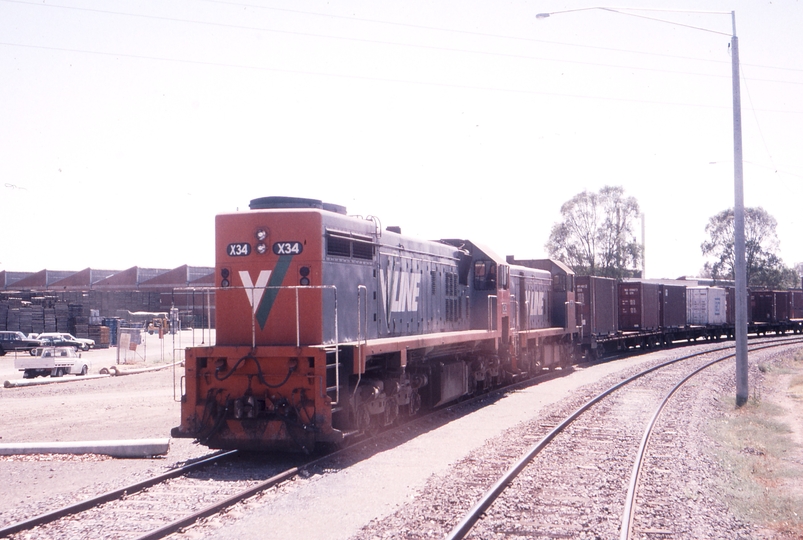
[268, 203]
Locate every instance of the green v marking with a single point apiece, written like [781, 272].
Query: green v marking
[272, 289]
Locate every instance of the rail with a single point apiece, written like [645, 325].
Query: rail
[465, 525]
[630, 507]
[113, 495]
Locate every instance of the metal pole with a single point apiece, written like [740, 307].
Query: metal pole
[643, 246]
[740, 270]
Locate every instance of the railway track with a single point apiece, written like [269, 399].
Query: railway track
[579, 481]
[160, 505]
[155, 508]
[168, 502]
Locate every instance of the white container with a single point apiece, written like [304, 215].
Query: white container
[706, 305]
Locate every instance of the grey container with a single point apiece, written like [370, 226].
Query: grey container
[706, 305]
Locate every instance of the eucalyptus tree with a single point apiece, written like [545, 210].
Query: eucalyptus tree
[596, 234]
[764, 266]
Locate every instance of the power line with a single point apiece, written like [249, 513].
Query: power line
[377, 21]
[376, 79]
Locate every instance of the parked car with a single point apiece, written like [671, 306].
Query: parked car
[63, 339]
[16, 341]
[53, 361]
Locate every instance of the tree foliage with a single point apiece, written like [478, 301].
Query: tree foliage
[595, 236]
[764, 266]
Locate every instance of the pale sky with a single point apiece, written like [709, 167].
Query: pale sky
[128, 125]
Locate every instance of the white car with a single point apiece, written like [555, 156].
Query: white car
[52, 361]
[63, 338]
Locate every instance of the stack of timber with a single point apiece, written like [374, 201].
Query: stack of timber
[101, 335]
[50, 320]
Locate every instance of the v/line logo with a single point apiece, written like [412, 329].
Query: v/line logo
[400, 290]
[536, 302]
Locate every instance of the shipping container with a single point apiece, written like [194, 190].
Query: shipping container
[596, 305]
[730, 314]
[673, 306]
[639, 306]
[796, 309]
[706, 306]
[783, 306]
[769, 306]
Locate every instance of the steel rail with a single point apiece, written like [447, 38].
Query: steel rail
[186, 521]
[111, 495]
[629, 510]
[470, 518]
[178, 524]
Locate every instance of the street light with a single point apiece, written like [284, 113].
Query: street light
[740, 269]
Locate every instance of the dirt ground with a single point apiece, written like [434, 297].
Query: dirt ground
[143, 406]
[131, 407]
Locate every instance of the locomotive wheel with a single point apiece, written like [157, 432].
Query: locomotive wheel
[391, 411]
[365, 422]
[414, 405]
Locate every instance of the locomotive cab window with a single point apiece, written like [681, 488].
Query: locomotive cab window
[485, 275]
[559, 283]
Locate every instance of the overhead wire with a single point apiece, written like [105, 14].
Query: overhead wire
[388, 43]
[407, 25]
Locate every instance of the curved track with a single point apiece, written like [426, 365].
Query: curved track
[152, 516]
[597, 446]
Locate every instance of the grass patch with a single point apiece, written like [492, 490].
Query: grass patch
[756, 445]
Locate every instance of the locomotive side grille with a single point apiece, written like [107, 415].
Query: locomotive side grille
[344, 244]
[339, 247]
[362, 250]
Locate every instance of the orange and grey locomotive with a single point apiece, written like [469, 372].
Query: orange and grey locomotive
[328, 326]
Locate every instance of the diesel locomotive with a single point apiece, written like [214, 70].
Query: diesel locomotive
[329, 326]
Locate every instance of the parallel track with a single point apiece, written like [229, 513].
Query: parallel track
[459, 531]
[465, 525]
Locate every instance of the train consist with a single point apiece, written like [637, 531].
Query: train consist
[329, 326]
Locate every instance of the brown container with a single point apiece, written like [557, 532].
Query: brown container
[639, 306]
[796, 309]
[783, 305]
[770, 306]
[731, 306]
[673, 306]
[596, 305]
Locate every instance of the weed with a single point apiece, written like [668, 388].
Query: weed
[755, 445]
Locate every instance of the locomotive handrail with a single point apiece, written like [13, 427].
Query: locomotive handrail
[252, 289]
[298, 324]
[360, 308]
[491, 317]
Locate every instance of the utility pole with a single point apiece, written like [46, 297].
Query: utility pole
[643, 246]
[742, 390]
